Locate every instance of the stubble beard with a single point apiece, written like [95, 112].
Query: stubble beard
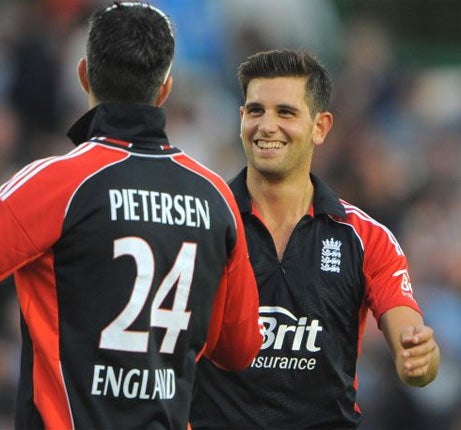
[271, 174]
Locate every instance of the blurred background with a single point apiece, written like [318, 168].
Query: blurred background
[395, 148]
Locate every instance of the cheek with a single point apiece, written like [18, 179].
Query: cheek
[302, 135]
[247, 130]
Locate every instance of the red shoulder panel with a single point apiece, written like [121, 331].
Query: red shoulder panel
[32, 211]
[385, 266]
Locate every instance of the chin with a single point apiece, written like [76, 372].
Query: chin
[271, 174]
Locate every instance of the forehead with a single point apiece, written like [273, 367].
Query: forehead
[280, 90]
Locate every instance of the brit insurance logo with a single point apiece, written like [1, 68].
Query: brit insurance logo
[331, 256]
[405, 283]
[289, 342]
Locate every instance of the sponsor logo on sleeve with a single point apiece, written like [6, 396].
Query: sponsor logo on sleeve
[405, 285]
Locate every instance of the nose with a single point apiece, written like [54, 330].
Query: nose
[267, 123]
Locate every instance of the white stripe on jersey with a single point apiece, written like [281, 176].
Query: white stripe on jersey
[93, 174]
[25, 170]
[208, 179]
[18, 175]
[352, 227]
[350, 209]
[32, 169]
[138, 154]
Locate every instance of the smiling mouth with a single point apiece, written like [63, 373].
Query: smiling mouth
[262, 144]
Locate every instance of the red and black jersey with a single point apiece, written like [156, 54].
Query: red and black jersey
[130, 262]
[338, 264]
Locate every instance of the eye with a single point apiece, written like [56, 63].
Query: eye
[286, 113]
[254, 110]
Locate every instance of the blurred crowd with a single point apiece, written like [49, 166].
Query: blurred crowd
[394, 151]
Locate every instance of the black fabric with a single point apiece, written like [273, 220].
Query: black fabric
[168, 228]
[310, 303]
[325, 200]
[142, 125]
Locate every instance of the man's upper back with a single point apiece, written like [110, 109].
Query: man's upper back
[127, 243]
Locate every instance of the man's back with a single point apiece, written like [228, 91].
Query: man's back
[124, 272]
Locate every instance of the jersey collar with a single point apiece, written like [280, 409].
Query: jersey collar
[141, 125]
[325, 200]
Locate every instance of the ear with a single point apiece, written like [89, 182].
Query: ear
[242, 112]
[323, 122]
[164, 92]
[83, 75]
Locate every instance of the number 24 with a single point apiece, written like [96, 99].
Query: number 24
[116, 335]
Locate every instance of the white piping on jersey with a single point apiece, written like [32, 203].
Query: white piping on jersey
[32, 169]
[276, 309]
[114, 148]
[352, 227]
[7, 185]
[209, 180]
[94, 174]
[67, 396]
[137, 154]
[350, 209]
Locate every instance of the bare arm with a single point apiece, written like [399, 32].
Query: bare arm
[415, 351]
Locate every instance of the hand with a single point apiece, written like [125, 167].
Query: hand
[420, 351]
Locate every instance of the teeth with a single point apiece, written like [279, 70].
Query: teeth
[268, 145]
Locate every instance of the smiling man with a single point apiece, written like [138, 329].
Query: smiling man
[320, 262]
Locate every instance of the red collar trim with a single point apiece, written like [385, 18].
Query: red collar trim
[118, 142]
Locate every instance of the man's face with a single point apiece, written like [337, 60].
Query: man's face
[276, 127]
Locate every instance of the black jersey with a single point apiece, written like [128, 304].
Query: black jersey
[338, 263]
[130, 262]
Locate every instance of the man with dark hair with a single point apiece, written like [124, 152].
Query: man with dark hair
[320, 263]
[129, 257]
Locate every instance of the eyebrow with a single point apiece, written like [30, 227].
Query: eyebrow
[251, 105]
[279, 106]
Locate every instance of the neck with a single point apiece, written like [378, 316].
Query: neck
[289, 198]
[280, 204]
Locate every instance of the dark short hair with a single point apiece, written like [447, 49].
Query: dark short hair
[290, 62]
[130, 48]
